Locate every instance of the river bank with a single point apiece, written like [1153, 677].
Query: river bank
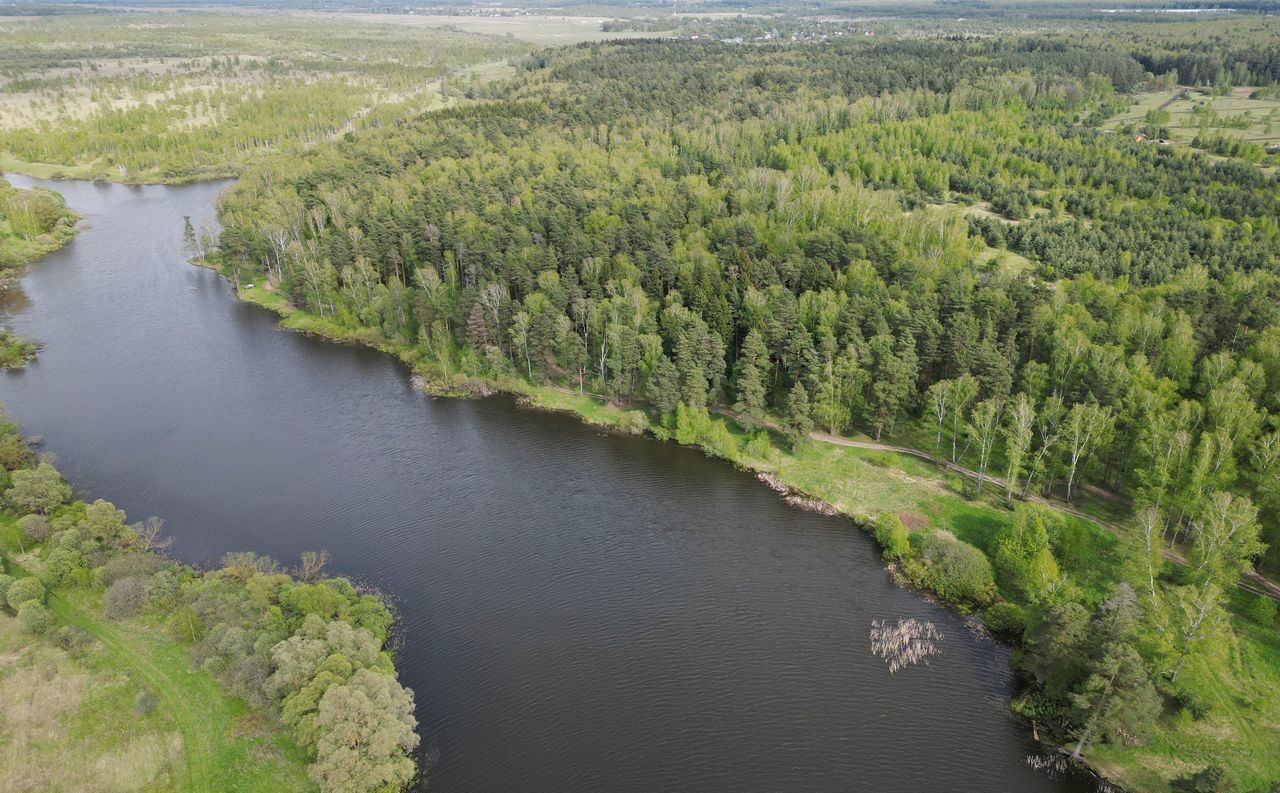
[33, 223]
[863, 485]
[159, 675]
[557, 587]
[858, 485]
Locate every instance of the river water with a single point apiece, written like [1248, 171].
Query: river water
[579, 612]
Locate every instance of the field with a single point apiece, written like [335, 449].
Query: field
[543, 30]
[114, 706]
[1237, 115]
[179, 96]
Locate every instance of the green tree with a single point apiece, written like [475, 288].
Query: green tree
[984, 427]
[39, 490]
[1117, 698]
[751, 376]
[798, 412]
[891, 533]
[1018, 430]
[367, 731]
[663, 386]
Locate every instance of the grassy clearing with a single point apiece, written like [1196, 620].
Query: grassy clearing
[1235, 115]
[172, 97]
[125, 712]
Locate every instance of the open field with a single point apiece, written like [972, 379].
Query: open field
[1199, 112]
[177, 96]
[537, 29]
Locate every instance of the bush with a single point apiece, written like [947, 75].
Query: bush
[1005, 619]
[1262, 610]
[34, 617]
[760, 447]
[130, 565]
[24, 590]
[125, 598]
[5, 582]
[1212, 779]
[73, 639]
[145, 703]
[35, 528]
[891, 533]
[633, 422]
[956, 570]
[64, 566]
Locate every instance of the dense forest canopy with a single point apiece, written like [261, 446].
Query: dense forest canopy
[931, 238]
[821, 218]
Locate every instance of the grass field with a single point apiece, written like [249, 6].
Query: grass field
[540, 29]
[179, 95]
[124, 711]
[1235, 115]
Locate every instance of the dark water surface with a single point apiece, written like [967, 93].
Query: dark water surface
[580, 612]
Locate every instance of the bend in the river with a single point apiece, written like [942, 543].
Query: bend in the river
[579, 612]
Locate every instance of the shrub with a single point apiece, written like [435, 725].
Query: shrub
[72, 639]
[125, 598]
[24, 590]
[955, 569]
[1212, 779]
[35, 528]
[633, 422]
[760, 447]
[1006, 619]
[34, 617]
[1262, 610]
[5, 582]
[130, 565]
[891, 533]
[64, 566]
[145, 703]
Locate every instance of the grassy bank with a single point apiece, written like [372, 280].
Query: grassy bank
[114, 706]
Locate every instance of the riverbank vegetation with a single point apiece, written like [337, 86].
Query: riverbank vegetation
[128, 671]
[927, 243]
[32, 223]
[174, 96]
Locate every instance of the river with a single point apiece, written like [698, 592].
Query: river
[579, 611]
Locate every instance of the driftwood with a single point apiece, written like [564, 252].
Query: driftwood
[910, 641]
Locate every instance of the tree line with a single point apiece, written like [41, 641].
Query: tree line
[925, 238]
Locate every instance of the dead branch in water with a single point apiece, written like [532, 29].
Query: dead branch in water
[909, 642]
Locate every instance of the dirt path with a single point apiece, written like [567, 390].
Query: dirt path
[196, 738]
[1253, 581]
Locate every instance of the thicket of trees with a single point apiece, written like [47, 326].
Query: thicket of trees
[311, 647]
[32, 223]
[824, 236]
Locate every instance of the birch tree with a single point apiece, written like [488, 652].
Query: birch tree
[1017, 439]
[1085, 428]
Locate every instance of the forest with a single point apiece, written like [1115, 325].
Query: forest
[754, 247]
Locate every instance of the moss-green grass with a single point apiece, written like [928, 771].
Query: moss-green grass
[1240, 731]
[197, 738]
